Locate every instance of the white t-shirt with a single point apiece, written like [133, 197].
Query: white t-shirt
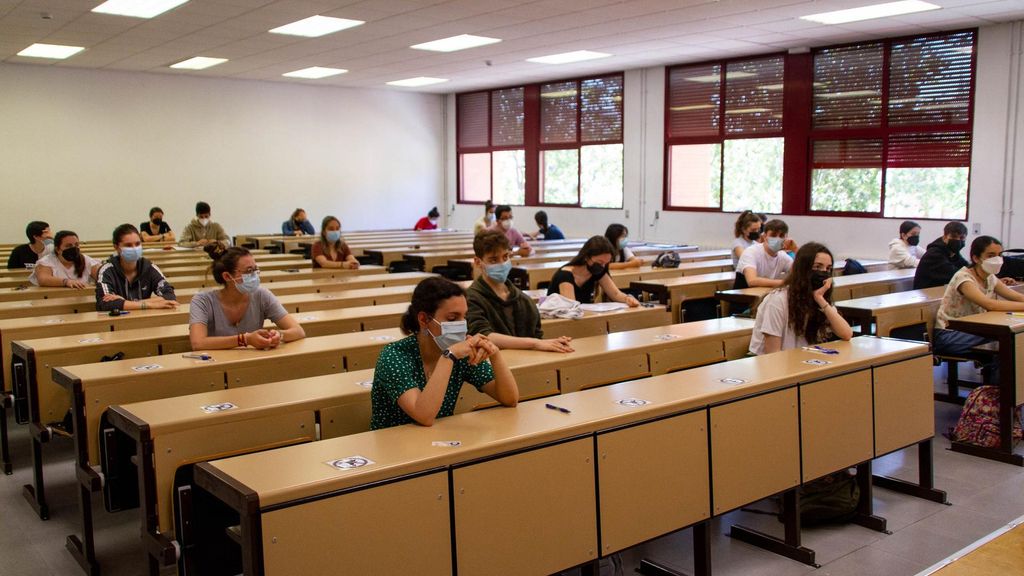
[768, 267]
[773, 320]
[742, 243]
[60, 272]
[903, 255]
[956, 305]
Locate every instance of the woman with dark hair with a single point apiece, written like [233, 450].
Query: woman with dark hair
[234, 315]
[622, 256]
[127, 281]
[155, 229]
[485, 221]
[418, 378]
[331, 251]
[67, 266]
[800, 311]
[297, 225]
[578, 279]
[428, 222]
[905, 251]
[746, 231]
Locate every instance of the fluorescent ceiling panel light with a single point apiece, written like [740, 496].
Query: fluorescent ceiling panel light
[568, 57]
[417, 81]
[137, 8]
[709, 78]
[316, 26]
[871, 12]
[460, 42]
[55, 51]
[198, 63]
[315, 72]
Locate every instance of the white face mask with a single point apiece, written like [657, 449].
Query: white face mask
[491, 217]
[204, 221]
[992, 265]
[506, 224]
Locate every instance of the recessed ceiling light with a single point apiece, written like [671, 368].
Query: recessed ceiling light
[568, 57]
[460, 42]
[315, 26]
[55, 51]
[315, 72]
[871, 12]
[137, 8]
[417, 81]
[198, 63]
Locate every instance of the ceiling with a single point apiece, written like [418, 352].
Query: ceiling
[638, 33]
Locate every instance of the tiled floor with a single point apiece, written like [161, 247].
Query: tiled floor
[985, 496]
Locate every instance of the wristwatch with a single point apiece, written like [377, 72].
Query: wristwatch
[448, 354]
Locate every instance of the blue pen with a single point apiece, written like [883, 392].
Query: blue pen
[825, 350]
[197, 356]
[559, 408]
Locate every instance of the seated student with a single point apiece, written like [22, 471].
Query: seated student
[942, 258]
[499, 310]
[233, 316]
[202, 232]
[127, 281]
[297, 225]
[789, 246]
[747, 231]
[765, 263]
[973, 290]
[622, 256]
[418, 378]
[331, 251]
[40, 243]
[904, 251]
[800, 311]
[578, 279]
[155, 229]
[428, 222]
[504, 224]
[67, 266]
[485, 221]
[545, 231]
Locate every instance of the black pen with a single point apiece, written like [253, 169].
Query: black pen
[559, 408]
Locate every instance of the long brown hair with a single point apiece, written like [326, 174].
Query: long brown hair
[80, 261]
[595, 246]
[746, 218]
[805, 316]
[324, 244]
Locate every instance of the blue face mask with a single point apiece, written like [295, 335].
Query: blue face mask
[774, 243]
[249, 284]
[133, 254]
[499, 272]
[451, 333]
[333, 236]
[623, 242]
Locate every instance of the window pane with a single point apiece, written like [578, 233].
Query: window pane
[695, 176]
[752, 178]
[693, 100]
[507, 117]
[848, 86]
[601, 176]
[926, 193]
[846, 189]
[753, 96]
[558, 113]
[559, 172]
[930, 80]
[510, 177]
[475, 175]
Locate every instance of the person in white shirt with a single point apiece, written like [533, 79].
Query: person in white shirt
[485, 221]
[747, 232]
[765, 263]
[800, 312]
[66, 266]
[904, 252]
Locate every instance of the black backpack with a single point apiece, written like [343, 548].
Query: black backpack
[1013, 264]
[853, 267]
[667, 260]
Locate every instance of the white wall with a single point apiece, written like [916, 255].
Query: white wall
[87, 150]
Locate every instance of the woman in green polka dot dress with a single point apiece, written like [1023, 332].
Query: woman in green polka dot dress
[418, 378]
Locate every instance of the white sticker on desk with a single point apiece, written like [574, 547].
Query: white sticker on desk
[816, 362]
[54, 321]
[446, 443]
[309, 318]
[146, 367]
[365, 384]
[382, 338]
[349, 462]
[733, 381]
[90, 340]
[633, 402]
[213, 408]
[666, 337]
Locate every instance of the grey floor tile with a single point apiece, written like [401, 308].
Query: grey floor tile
[870, 561]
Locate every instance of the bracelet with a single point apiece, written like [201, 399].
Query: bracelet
[143, 304]
[241, 340]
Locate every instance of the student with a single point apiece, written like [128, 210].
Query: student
[331, 251]
[622, 256]
[789, 246]
[428, 222]
[233, 316]
[973, 290]
[747, 231]
[904, 251]
[40, 243]
[504, 224]
[297, 225]
[155, 229]
[545, 231]
[800, 311]
[202, 232]
[485, 221]
[765, 263]
[942, 258]
[578, 279]
[499, 310]
[418, 378]
[67, 267]
[127, 281]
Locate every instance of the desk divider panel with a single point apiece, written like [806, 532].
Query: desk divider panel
[533, 383]
[619, 368]
[904, 404]
[736, 348]
[835, 423]
[625, 322]
[687, 355]
[330, 362]
[363, 358]
[345, 419]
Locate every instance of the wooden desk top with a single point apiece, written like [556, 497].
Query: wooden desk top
[1000, 556]
[683, 281]
[994, 322]
[894, 300]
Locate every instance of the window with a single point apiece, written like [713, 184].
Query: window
[557, 143]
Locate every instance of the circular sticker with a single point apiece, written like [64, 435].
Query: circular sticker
[733, 381]
[213, 408]
[446, 443]
[146, 367]
[90, 340]
[666, 337]
[365, 384]
[816, 362]
[349, 462]
[633, 402]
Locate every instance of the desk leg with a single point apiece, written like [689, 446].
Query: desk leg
[925, 487]
[35, 493]
[5, 447]
[83, 549]
[789, 546]
[701, 555]
[866, 506]
[161, 551]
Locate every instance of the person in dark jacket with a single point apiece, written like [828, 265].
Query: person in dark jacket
[942, 258]
[127, 281]
[499, 310]
[297, 225]
[40, 244]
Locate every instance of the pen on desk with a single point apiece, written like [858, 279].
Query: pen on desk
[821, 349]
[1021, 314]
[197, 356]
[559, 408]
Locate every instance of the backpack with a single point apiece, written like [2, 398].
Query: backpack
[831, 499]
[853, 267]
[667, 260]
[979, 421]
[1013, 264]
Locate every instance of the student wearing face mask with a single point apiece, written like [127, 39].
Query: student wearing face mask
[297, 225]
[499, 310]
[331, 251]
[428, 222]
[622, 256]
[418, 378]
[506, 225]
[485, 221]
[747, 232]
[905, 251]
[67, 267]
[233, 316]
[127, 281]
[765, 263]
[578, 279]
[40, 244]
[800, 311]
[942, 258]
[202, 231]
[155, 229]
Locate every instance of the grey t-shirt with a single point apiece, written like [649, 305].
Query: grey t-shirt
[205, 308]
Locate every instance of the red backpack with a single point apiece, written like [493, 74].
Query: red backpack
[979, 422]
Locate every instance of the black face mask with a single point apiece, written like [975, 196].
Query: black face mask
[596, 270]
[70, 254]
[913, 240]
[158, 222]
[818, 278]
[754, 236]
[955, 245]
